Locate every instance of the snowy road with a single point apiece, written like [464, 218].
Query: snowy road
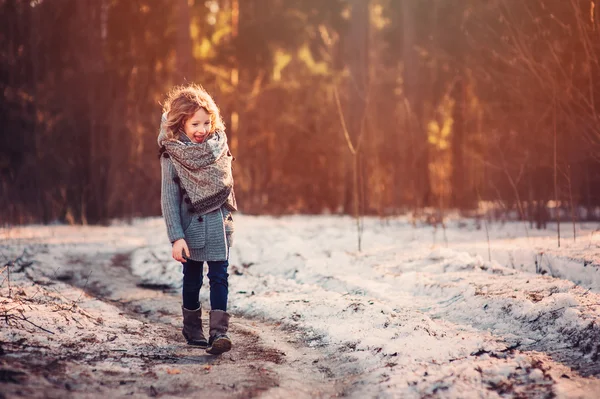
[412, 315]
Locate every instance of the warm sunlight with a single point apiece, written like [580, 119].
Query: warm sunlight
[300, 199]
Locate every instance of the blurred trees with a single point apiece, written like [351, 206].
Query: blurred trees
[458, 101]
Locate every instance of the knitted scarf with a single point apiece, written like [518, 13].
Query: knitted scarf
[203, 170]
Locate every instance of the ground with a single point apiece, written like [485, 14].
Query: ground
[106, 334]
[417, 312]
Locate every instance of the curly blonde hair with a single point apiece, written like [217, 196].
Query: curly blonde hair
[183, 102]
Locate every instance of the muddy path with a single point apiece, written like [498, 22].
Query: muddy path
[75, 321]
[134, 347]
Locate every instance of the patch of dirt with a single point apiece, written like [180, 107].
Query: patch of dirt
[131, 345]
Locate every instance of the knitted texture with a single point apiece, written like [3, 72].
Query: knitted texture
[203, 169]
[208, 236]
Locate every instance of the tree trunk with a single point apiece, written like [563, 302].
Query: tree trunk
[459, 174]
[93, 138]
[184, 57]
[418, 146]
[357, 58]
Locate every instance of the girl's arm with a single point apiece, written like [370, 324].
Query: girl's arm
[170, 200]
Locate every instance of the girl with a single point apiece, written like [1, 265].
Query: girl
[197, 200]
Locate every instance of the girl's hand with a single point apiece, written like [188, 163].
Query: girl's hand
[179, 247]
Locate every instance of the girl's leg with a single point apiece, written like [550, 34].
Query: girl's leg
[192, 282]
[219, 286]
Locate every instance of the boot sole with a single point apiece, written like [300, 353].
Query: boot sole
[220, 345]
[201, 345]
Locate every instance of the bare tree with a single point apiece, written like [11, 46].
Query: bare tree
[184, 42]
[414, 122]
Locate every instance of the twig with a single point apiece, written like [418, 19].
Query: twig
[355, 152]
[8, 280]
[14, 307]
[12, 316]
[11, 263]
[76, 301]
[568, 178]
[487, 235]
[72, 306]
[555, 158]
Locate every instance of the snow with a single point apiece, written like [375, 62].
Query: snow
[419, 311]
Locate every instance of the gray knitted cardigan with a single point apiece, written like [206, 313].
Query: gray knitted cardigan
[208, 236]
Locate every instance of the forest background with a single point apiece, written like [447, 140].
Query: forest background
[340, 106]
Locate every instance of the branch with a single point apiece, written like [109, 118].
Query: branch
[13, 316]
[343, 121]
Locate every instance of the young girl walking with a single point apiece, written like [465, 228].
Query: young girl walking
[197, 201]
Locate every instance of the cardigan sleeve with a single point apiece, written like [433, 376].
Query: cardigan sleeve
[170, 200]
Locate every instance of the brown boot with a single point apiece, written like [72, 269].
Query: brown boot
[218, 342]
[192, 327]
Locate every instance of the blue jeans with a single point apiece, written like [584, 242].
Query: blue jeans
[192, 282]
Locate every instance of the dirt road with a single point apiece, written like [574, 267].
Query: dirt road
[98, 333]
[90, 312]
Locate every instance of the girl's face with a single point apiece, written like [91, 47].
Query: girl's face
[197, 127]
